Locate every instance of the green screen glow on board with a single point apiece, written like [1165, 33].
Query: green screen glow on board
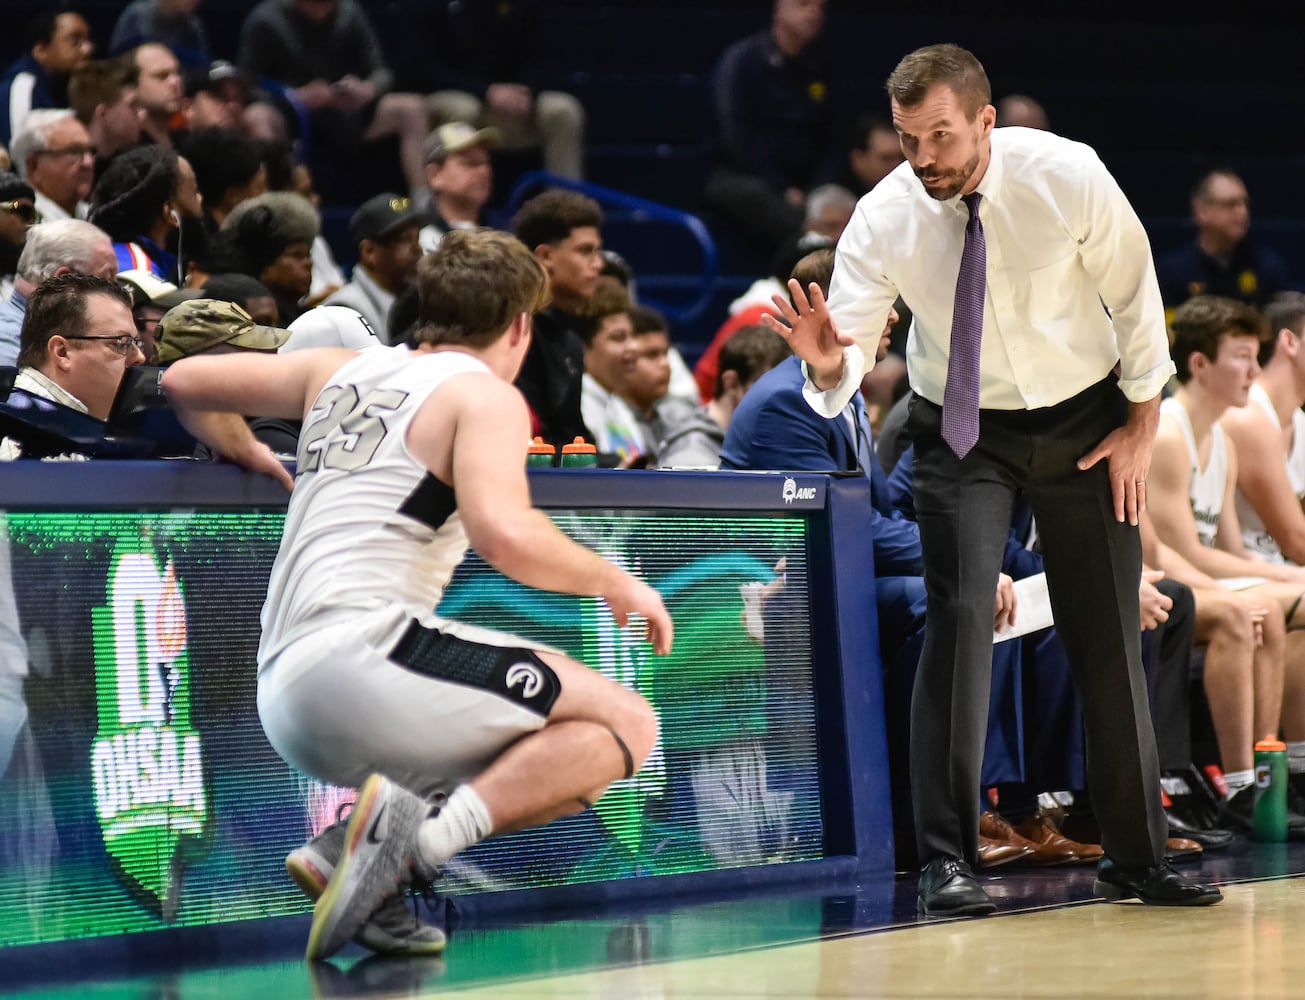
[138, 790]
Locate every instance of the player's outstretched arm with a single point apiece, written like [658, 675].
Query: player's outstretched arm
[488, 470]
[212, 395]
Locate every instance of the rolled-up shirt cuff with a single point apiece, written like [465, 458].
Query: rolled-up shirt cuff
[830, 402]
[1148, 386]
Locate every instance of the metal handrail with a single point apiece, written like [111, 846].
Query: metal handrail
[638, 209]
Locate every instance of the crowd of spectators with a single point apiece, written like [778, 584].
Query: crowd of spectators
[162, 203]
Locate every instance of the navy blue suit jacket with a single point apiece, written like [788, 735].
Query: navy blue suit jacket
[774, 428]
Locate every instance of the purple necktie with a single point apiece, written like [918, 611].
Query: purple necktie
[960, 415]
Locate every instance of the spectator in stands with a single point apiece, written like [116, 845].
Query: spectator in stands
[248, 293]
[228, 169]
[1021, 110]
[327, 52]
[151, 297]
[54, 154]
[1223, 260]
[829, 209]
[873, 152]
[1191, 487]
[140, 202]
[204, 326]
[648, 388]
[1269, 437]
[53, 248]
[483, 49]
[561, 228]
[102, 94]
[775, 124]
[159, 90]
[745, 356]
[78, 340]
[17, 216]
[609, 359]
[286, 173]
[58, 43]
[460, 178]
[385, 230]
[270, 238]
[210, 326]
[171, 23]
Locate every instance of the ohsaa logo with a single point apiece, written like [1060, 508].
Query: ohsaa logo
[146, 761]
[527, 676]
[793, 492]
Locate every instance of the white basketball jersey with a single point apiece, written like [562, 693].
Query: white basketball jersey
[1254, 534]
[368, 526]
[1206, 491]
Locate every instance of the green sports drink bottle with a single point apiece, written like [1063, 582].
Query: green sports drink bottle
[1269, 818]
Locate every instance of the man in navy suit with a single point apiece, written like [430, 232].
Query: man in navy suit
[774, 428]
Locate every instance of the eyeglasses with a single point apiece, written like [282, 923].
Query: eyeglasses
[25, 210]
[120, 342]
[75, 152]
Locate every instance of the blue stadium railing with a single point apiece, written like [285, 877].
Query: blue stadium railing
[624, 208]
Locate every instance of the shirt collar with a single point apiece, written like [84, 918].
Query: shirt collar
[990, 185]
[34, 380]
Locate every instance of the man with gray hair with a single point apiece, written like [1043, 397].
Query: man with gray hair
[53, 153]
[52, 248]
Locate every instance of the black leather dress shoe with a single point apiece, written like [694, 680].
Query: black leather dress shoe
[949, 889]
[1158, 885]
[1211, 838]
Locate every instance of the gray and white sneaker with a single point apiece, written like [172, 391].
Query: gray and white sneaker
[378, 857]
[394, 929]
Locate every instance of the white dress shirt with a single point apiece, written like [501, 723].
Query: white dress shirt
[1061, 240]
[52, 211]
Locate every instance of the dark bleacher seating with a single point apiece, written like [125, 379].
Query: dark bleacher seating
[1162, 90]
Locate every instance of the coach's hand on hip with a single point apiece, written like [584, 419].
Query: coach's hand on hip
[1128, 450]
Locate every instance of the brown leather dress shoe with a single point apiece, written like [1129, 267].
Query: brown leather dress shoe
[1177, 848]
[1044, 855]
[995, 852]
[1053, 846]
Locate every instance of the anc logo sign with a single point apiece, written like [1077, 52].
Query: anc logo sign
[146, 760]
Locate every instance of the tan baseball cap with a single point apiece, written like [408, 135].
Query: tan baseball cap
[201, 324]
[454, 137]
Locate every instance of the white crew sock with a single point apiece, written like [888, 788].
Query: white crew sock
[1237, 780]
[462, 821]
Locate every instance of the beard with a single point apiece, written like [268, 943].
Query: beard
[948, 184]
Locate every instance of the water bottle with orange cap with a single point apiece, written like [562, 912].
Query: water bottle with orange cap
[1269, 818]
[579, 454]
[540, 454]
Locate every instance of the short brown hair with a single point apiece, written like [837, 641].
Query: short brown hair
[817, 267]
[550, 217]
[99, 81]
[472, 287]
[646, 319]
[749, 352]
[1285, 311]
[609, 299]
[58, 308]
[1201, 322]
[951, 65]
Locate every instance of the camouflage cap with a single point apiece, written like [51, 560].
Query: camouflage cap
[202, 324]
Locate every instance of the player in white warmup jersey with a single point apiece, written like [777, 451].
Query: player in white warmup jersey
[407, 455]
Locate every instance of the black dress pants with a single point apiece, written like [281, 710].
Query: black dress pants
[1093, 566]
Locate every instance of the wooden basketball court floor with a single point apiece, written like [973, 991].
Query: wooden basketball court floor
[1049, 939]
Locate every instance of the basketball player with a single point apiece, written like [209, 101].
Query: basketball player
[407, 455]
